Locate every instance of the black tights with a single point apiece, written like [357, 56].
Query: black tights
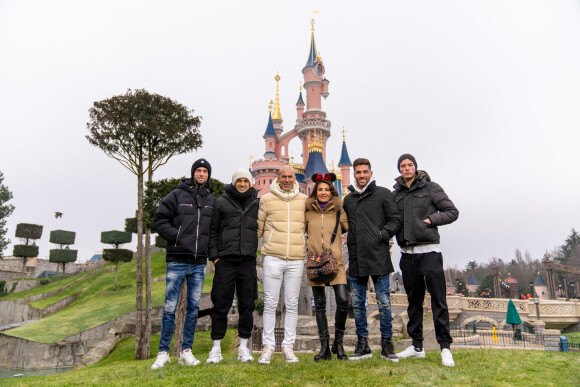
[341, 294]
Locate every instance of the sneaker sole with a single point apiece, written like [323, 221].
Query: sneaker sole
[360, 357]
[245, 361]
[393, 360]
[213, 361]
[292, 361]
[263, 361]
[411, 357]
[182, 362]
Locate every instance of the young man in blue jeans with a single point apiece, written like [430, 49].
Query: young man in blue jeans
[373, 219]
[183, 219]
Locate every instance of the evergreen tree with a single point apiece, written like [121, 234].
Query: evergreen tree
[568, 247]
[486, 285]
[5, 212]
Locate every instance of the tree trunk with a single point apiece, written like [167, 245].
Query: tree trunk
[179, 320]
[24, 260]
[147, 329]
[116, 271]
[63, 267]
[139, 271]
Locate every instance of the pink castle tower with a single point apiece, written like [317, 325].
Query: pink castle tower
[312, 128]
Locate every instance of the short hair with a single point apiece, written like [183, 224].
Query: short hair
[361, 161]
[333, 190]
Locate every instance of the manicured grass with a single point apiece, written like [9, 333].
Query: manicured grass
[473, 367]
[97, 302]
[575, 335]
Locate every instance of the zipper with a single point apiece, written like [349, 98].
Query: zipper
[176, 238]
[197, 232]
[322, 228]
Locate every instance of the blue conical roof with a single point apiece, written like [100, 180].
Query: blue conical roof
[300, 100]
[312, 54]
[472, 280]
[270, 128]
[344, 159]
[314, 165]
[540, 281]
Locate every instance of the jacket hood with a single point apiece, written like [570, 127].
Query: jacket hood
[335, 203]
[369, 187]
[421, 179]
[286, 196]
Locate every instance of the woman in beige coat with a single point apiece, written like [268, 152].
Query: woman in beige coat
[321, 209]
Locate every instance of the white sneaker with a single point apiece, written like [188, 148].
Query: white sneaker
[410, 352]
[244, 355]
[161, 360]
[215, 356]
[187, 358]
[267, 354]
[447, 358]
[288, 354]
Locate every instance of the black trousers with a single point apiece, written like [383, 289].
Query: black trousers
[230, 278]
[341, 295]
[420, 270]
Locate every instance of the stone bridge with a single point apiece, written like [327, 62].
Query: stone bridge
[556, 314]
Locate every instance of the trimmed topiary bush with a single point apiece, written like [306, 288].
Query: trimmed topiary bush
[160, 242]
[116, 255]
[26, 250]
[61, 237]
[62, 256]
[115, 238]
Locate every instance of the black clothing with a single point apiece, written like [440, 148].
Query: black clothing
[361, 349]
[373, 219]
[183, 219]
[240, 277]
[424, 199]
[205, 164]
[234, 226]
[324, 353]
[420, 270]
[341, 295]
[387, 350]
[337, 347]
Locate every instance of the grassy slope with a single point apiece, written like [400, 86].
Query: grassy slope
[474, 367]
[96, 304]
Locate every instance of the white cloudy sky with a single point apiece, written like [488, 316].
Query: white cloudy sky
[485, 94]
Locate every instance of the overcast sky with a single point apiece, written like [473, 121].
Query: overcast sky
[485, 94]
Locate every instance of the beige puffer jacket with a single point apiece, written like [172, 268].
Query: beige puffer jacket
[281, 222]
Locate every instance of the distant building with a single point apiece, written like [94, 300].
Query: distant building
[472, 284]
[540, 288]
[513, 290]
[95, 260]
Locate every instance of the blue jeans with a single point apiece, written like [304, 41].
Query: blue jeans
[358, 288]
[177, 273]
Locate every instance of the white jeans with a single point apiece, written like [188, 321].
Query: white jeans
[274, 271]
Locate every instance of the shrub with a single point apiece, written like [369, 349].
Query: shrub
[25, 251]
[160, 242]
[28, 231]
[117, 255]
[61, 237]
[115, 237]
[62, 255]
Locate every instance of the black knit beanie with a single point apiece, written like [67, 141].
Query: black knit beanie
[405, 157]
[201, 163]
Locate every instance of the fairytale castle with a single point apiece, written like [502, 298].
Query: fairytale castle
[311, 127]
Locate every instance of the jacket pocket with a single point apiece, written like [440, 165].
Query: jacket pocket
[270, 236]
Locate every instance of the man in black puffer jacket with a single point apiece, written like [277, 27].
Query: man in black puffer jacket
[183, 219]
[372, 220]
[232, 247]
[424, 206]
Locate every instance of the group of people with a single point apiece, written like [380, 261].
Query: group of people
[293, 226]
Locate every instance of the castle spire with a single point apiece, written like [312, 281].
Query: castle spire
[277, 115]
[344, 159]
[312, 53]
[300, 100]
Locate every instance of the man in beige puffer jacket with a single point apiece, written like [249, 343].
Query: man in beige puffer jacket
[281, 222]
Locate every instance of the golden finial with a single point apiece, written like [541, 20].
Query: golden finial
[301, 86]
[343, 134]
[251, 161]
[270, 105]
[314, 144]
[277, 115]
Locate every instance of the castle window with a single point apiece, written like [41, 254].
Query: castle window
[283, 150]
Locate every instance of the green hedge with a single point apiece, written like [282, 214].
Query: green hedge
[28, 231]
[160, 242]
[61, 237]
[115, 237]
[117, 255]
[25, 251]
[62, 255]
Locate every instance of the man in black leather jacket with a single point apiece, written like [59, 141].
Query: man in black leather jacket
[233, 245]
[183, 219]
[424, 206]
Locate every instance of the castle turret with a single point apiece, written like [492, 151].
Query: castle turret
[277, 116]
[344, 163]
[300, 105]
[270, 137]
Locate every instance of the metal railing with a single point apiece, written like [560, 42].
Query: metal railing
[487, 338]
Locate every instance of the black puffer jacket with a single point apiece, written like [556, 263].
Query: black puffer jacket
[424, 199]
[372, 220]
[183, 219]
[234, 226]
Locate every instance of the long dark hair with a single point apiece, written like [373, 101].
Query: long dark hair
[333, 190]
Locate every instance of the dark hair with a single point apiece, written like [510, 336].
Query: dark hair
[333, 190]
[361, 161]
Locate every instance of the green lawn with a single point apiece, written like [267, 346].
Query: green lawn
[97, 302]
[473, 367]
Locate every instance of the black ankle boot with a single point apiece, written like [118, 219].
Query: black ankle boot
[337, 347]
[387, 351]
[362, 349]
[324, 353]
